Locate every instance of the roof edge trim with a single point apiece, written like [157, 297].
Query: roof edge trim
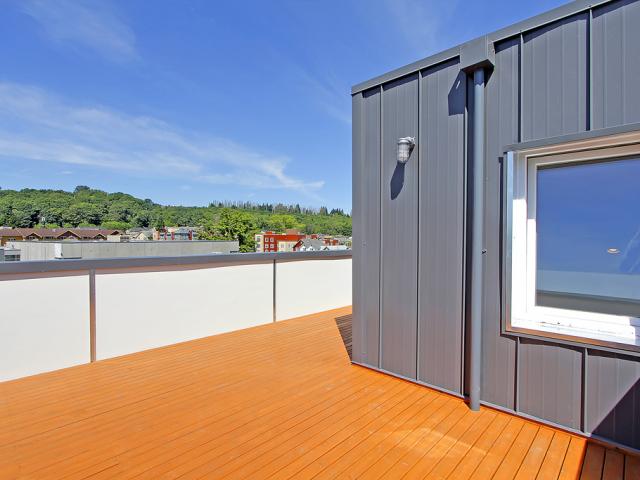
[559, 13]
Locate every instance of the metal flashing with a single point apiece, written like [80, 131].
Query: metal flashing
[572, 137]
[478, 53]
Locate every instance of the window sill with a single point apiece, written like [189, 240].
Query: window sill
[573, 336]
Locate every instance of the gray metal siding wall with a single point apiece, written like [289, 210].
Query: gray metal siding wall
[399, 293]
[441, 206]
[409, 209]
[550, 382]
[577, 73]
[366, 227]
[616, 64]
[554, 79]
[613, 397]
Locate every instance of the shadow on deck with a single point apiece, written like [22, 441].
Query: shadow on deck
[344, 327]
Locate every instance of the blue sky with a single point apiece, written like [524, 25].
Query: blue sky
[193, 101]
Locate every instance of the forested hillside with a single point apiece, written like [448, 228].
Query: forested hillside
[220, 220]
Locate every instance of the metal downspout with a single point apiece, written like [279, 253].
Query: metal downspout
[477, 240]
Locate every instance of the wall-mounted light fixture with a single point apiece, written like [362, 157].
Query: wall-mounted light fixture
[405, 146]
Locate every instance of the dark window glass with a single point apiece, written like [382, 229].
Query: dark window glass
[588, 229]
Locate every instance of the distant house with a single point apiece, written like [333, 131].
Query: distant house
[35, 234]
[178, 233]
[318, 245]
[310, 245]
[340, 240]
[142, 234]
[278, 242]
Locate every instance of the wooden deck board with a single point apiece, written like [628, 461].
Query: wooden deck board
[278, 401]
[593, 463]
[555, 456]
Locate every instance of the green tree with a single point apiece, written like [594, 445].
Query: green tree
[280, 222]
[83, 213]
[232, 225]
[111, 225]
[158, 221]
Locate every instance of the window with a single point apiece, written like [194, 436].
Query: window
[572, 217]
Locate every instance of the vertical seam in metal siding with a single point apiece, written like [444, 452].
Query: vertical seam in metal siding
[359, 278]
[516, 383]
[623, 114]
[465, 157]
[584, 419]
[381, 167]
[589, 70]
[418, 227]
[520, 86]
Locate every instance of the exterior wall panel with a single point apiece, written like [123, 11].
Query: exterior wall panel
[550, 384]
[554, 79]
[502, 98]
[399, 229]
[613, 397]
[441, 208]
[616, 64]
[366, 227]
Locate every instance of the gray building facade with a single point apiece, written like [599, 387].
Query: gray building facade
[44, 250]
[568, 74]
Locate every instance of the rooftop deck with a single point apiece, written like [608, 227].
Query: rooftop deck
[276, 401]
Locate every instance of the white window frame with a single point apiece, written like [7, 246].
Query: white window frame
[521, 312]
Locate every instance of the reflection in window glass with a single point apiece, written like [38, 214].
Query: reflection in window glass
[588, 236]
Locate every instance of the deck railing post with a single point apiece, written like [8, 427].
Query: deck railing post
[274, 291]
[92, 315]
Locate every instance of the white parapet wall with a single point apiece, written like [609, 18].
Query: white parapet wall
[51, 317]
[310, 286]
[141, 309]
[43, 323]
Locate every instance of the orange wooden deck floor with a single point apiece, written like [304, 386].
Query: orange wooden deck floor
[278, 401]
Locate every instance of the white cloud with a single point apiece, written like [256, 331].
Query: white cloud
[88, 23]
[422, 22]
[325, 90]
[333, 98]
[35, 125]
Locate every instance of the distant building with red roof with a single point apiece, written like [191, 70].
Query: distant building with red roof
[278, 242]
[36, 234]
